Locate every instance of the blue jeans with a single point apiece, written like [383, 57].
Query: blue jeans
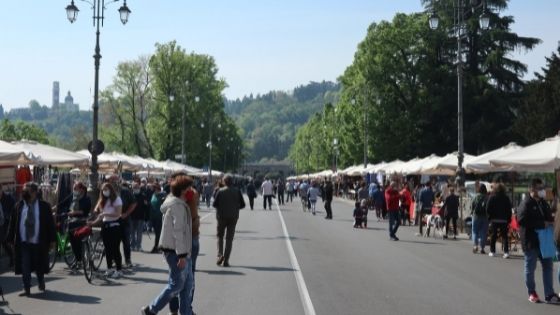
[176, 284]
[479, 232]
[393, 223]
[136, 230]
[174, 304]
[531, 257]
[183, 301]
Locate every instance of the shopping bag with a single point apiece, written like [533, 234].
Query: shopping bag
[546, 242]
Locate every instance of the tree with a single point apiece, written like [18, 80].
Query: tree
[539, 109]
[19, 130]
[403, 80]
[126, 105]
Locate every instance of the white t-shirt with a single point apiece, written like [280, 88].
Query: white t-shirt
[267, 188]
[111, 208]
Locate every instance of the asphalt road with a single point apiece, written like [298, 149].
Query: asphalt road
[323, 267]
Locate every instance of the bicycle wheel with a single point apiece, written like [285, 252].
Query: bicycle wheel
[98, 253]
[68, 254]
[53, 256]
[87, 261]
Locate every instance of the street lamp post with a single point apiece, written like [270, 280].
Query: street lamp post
[98, 7]
[460, 31]
[209, 145]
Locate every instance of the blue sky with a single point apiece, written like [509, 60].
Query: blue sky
[258, 45]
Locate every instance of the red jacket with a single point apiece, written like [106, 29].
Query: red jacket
[406, 197]
[392, 198]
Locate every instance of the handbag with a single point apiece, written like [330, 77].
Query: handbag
[546, 242]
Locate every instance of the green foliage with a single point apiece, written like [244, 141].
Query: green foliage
[539, 109]
[404, 85]
[20, 130]
[269, 122]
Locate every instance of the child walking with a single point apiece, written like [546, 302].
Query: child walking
[358, 215]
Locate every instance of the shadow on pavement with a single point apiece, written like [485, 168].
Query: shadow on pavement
[11, 284]
[5, 309]
[258, 268]
[150, 269]
[137, 280]
[65, 297]
[221, 272]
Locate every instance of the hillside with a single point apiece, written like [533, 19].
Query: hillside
[269, 122]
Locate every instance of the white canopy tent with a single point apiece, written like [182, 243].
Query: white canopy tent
[391, 167]
[539, 157]
[481, 164]
[12, 155]
[43, 154]
[114, 160]
[414, 167]
[446, 165]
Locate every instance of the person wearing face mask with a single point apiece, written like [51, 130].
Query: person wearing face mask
[109, 209]
[138, 217]
[534, 213]
[32, 233]
[78, 213]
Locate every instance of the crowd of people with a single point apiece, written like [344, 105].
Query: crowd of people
[171, 208]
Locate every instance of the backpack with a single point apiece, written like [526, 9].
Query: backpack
[479, 206]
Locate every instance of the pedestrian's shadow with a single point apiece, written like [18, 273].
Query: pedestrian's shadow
[221, 272]
[66, 297]
[150, 269]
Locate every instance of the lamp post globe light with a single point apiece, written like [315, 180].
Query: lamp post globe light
[98, 9]
[459, 28]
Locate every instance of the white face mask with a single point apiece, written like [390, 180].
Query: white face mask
[542, 193]
[106, 193]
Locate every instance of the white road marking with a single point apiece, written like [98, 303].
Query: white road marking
[206, 216]
[302, 287]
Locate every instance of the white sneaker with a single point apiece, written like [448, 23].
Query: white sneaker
[506, 256]
[117, 274]
[491, 254]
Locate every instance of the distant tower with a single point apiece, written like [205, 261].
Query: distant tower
[55, 94]
[68, 101]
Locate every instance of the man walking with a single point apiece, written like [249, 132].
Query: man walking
[138, 217]
[267, 192]
[32, 232]
[228, 202]
[328, 197]
[251, 193]
[208, 191]
[392, 198]
[533, 214]
[280, 187]
[426, 203]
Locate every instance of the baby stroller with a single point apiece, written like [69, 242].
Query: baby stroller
[468, 226]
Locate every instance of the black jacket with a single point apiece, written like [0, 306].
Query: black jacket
[531, 216]
[451, 206]
[47, 235]
[499, 207]
[228, 201]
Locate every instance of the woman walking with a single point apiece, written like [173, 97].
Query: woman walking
[176, 244]
[479, 220]
[109, 208]
[312, 194]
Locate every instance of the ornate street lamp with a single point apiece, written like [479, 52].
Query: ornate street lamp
[98, 9]
[460, 27]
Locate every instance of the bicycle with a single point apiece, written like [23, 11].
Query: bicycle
[93, 252]
[63, 247]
